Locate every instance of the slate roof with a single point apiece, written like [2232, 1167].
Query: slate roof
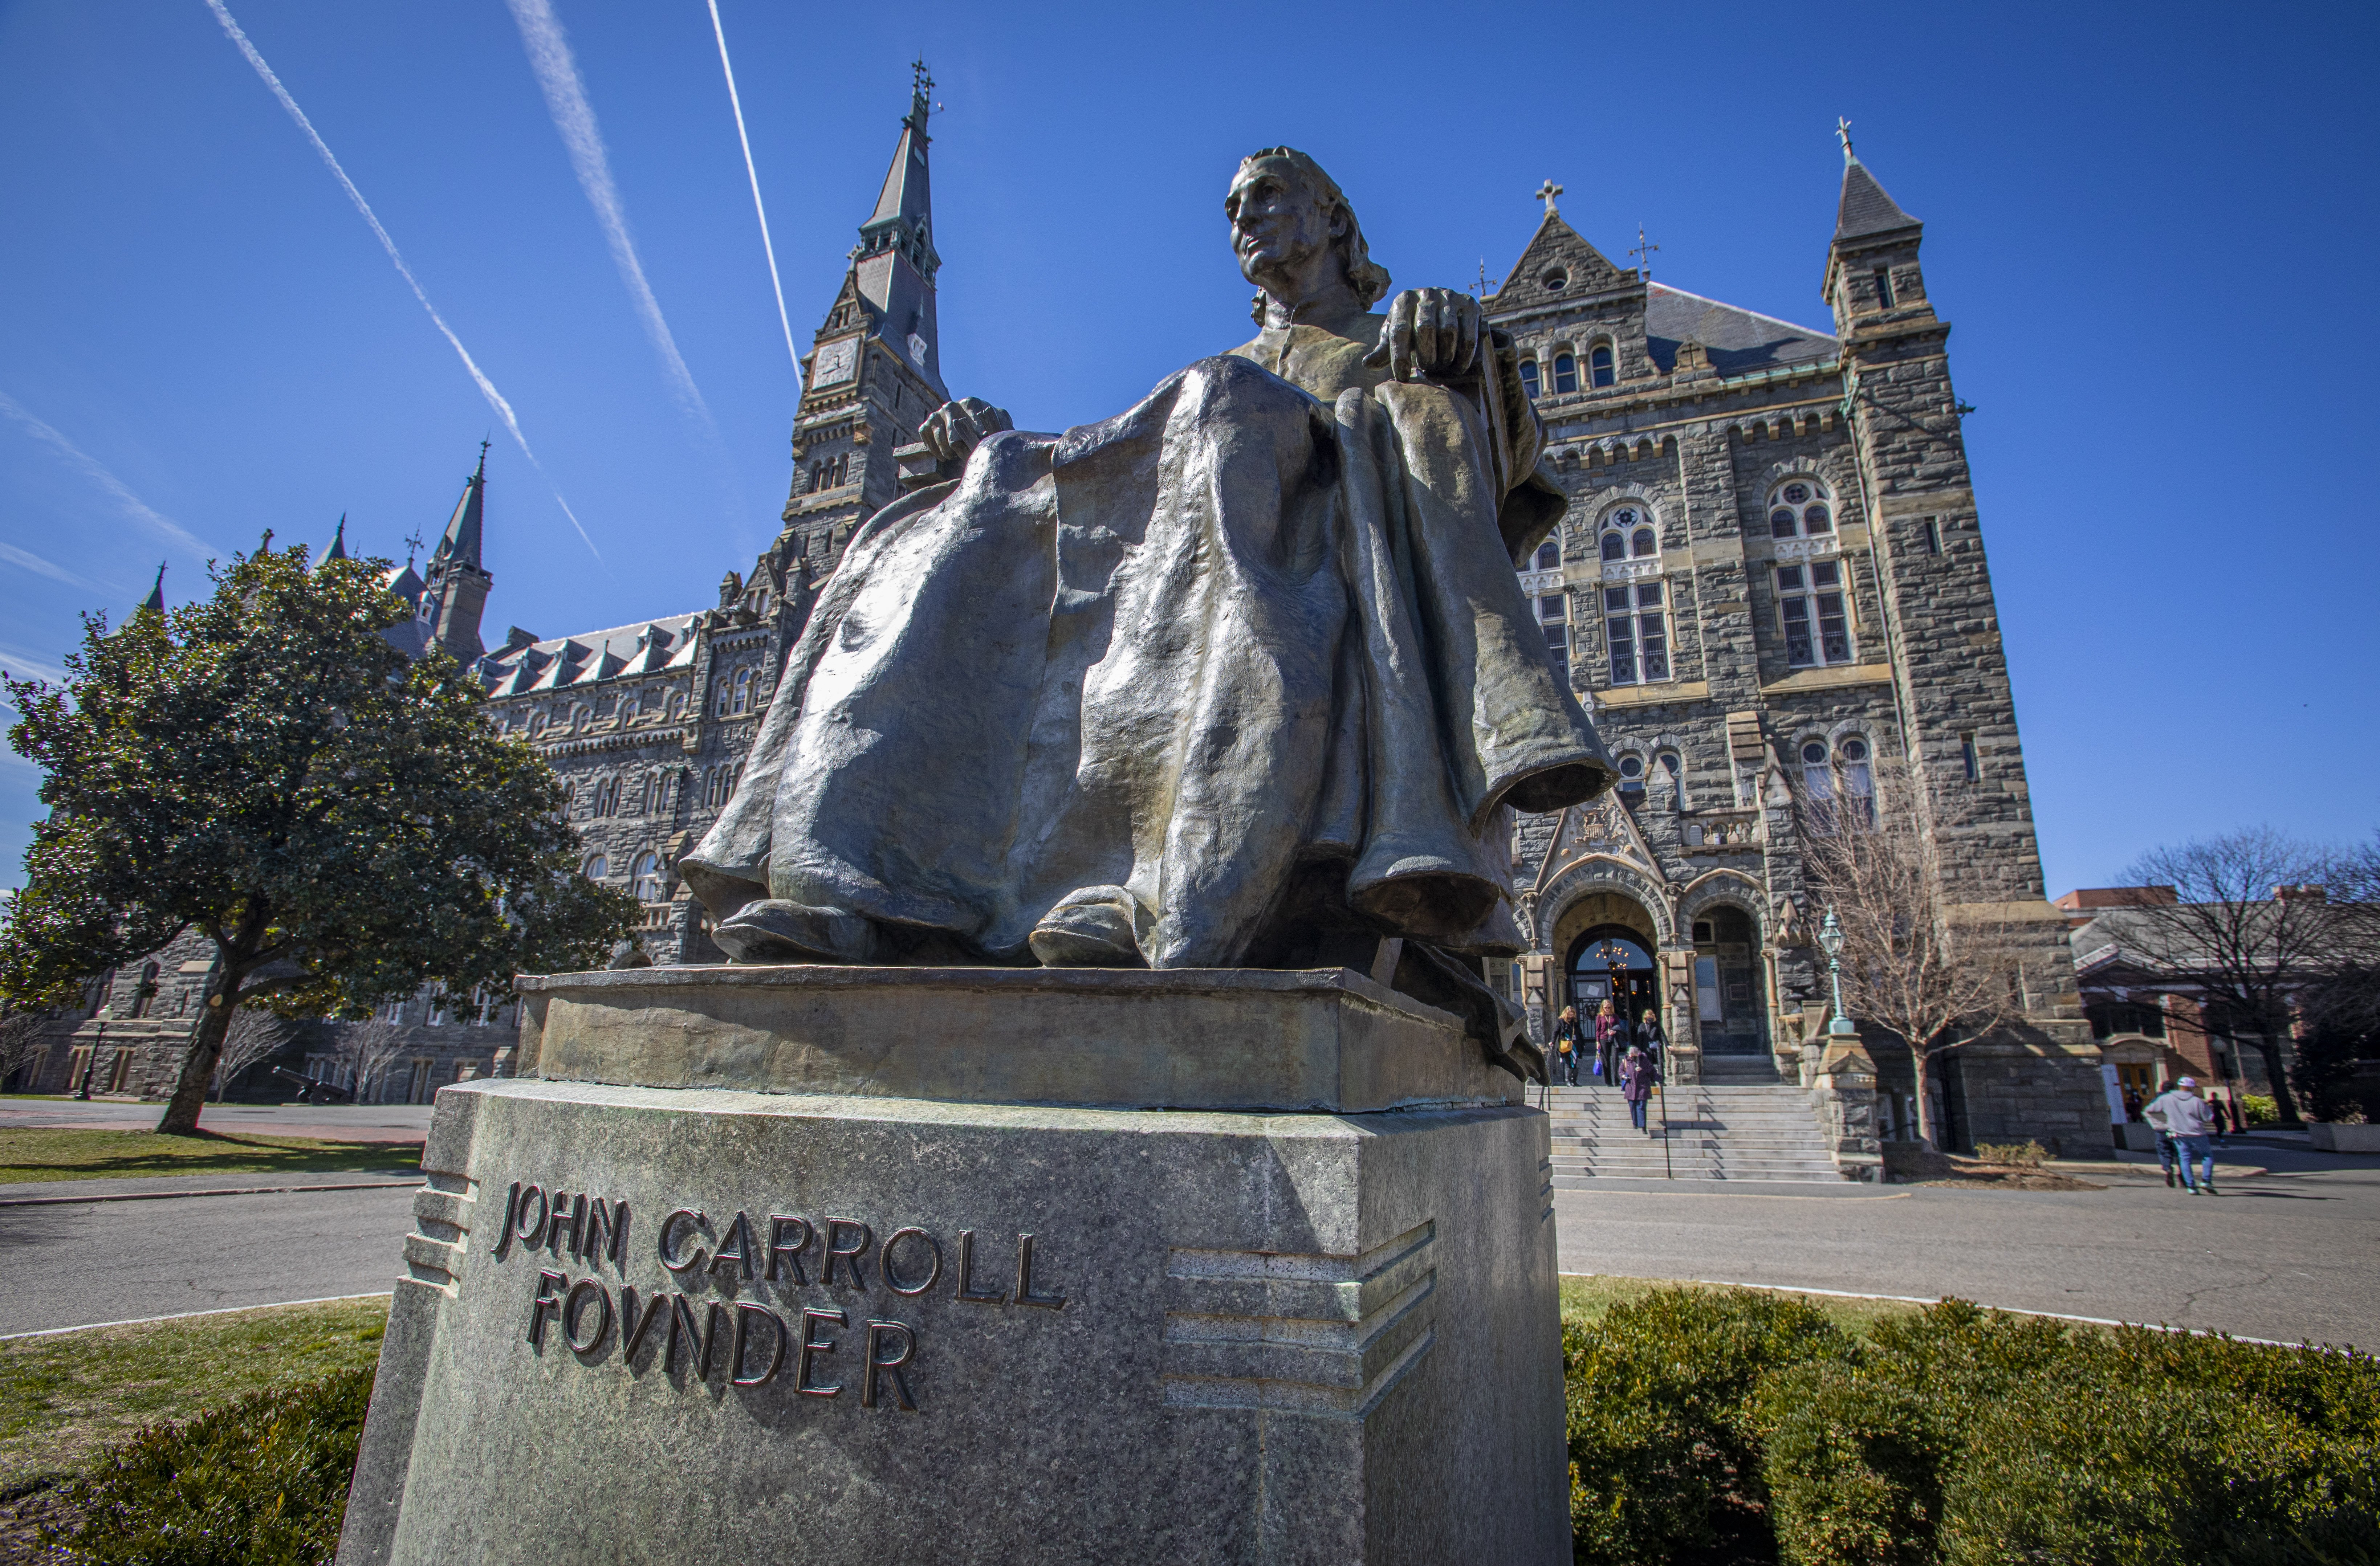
[1738, 340]
[562, 662]
[1865, 209]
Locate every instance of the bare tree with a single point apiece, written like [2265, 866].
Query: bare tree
[22, 1043]
[255, 1035]
[1931, 979]
[367, 1050]
[2244, 923]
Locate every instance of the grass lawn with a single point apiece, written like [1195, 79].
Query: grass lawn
[62, 1398]
[35, 1153]
[1586, 1298]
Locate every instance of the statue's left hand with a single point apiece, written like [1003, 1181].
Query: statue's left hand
[1429, 332]
[953, 430]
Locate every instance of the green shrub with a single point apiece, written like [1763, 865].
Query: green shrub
[259, 1482]
[2258, 1109]
[1663, 1440]
[1970, 1438]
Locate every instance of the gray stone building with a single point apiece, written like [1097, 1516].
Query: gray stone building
[1771, 591]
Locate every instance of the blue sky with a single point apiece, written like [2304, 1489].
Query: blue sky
[2149, 226]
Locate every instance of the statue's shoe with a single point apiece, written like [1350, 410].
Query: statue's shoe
[1090, 928]
[774, 931]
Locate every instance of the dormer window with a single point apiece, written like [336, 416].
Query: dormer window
[1599, 363]
[1565, 373]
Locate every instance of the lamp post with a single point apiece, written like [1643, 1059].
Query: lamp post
[1831, 935]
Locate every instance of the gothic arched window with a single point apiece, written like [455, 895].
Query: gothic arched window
[1628, 534]
[1800, 508]
[1598, 364]
[1529, 378]
[743, 690]
[1565, 373]
[598, 868]
[647, 881]
[1549, 556]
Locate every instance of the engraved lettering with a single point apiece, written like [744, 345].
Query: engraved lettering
[787, 1237]
[1025, 1294]
[670, 1258]
[735, 1250]
[511, 1206]
[574, 1216]
[604, 1221]
[967, 1290]
[529, 1231]
[573, 1313]
[633, 1327]
[813, 1345]
[849, 1255]
[700, 1343]
[547, 1301]
[745, 1311]
[879, 1333]
[892, 1278]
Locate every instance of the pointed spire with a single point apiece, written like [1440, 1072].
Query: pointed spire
[155, 602]
[906, 193]
[1864, 208]
[460, 546]
[894, 267]
[338, 550]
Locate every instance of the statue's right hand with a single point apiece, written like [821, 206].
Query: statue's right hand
[955, 428]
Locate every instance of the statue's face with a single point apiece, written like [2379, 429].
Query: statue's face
[1279, 224]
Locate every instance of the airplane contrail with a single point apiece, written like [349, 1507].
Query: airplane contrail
[574, 118]
[140, 510]
[736, 103]
[487, 387]
[28, 561]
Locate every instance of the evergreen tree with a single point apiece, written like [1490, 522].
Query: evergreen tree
[263, 766]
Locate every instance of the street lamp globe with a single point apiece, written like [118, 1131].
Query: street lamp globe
[1831, 935]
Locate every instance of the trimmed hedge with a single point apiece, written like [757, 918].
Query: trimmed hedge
[1962, 1437]
[259, 1482]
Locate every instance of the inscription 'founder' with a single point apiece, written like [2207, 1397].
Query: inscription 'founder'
[1240, 677]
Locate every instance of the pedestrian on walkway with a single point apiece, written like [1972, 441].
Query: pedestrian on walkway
[1566, 1046]
[2189, 1119]
[1637, 1078]
[1648, 1034]
[1611, 1037]
[2153, 1115]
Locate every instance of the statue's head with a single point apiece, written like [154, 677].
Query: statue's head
[1286, 214]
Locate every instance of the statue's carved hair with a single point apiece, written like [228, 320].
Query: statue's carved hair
[1367, 276]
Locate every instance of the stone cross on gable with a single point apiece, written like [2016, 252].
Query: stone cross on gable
[1545, 193]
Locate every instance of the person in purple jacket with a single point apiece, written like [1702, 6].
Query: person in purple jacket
[1639, 1077]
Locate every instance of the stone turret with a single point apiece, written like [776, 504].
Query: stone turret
[456, 587]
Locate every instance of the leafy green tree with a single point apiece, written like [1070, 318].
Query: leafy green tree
[264, 766]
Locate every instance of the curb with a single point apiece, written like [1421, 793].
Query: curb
[217, 1191]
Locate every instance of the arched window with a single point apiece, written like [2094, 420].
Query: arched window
[1565, 373]
[579, 716]
[1858, 773]
[743, 690]
[1629, 534]
[672, 704]
[726, 695]
[1800, 508]
[1675, 771]
[536, 724]
[1641, 545]
[648, 880]
[598, 868]
[1529, 383]
[627, 711]
[1598, 364]
[1549, 556]
[1632, 773]
[146, 994]
[1615, 546]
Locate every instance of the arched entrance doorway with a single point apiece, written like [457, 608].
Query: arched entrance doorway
[1611, 962]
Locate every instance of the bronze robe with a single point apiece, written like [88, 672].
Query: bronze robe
[1252, 652]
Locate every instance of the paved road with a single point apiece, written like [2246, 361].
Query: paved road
[123, 1261]
[335, 1123]
[2290, 1253]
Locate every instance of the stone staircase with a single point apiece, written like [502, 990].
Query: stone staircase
[1735, 1129]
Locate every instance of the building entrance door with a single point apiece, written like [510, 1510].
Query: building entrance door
[1609, 963]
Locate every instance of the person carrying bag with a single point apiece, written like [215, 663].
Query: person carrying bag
[1566, 1046]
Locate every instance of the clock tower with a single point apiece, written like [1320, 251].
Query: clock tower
[874, 369]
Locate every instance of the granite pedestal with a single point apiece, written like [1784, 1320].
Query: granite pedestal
[974, 1265]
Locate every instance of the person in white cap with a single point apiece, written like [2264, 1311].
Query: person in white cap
[2190, 1121]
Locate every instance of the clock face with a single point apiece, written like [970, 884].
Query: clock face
[835, 363]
